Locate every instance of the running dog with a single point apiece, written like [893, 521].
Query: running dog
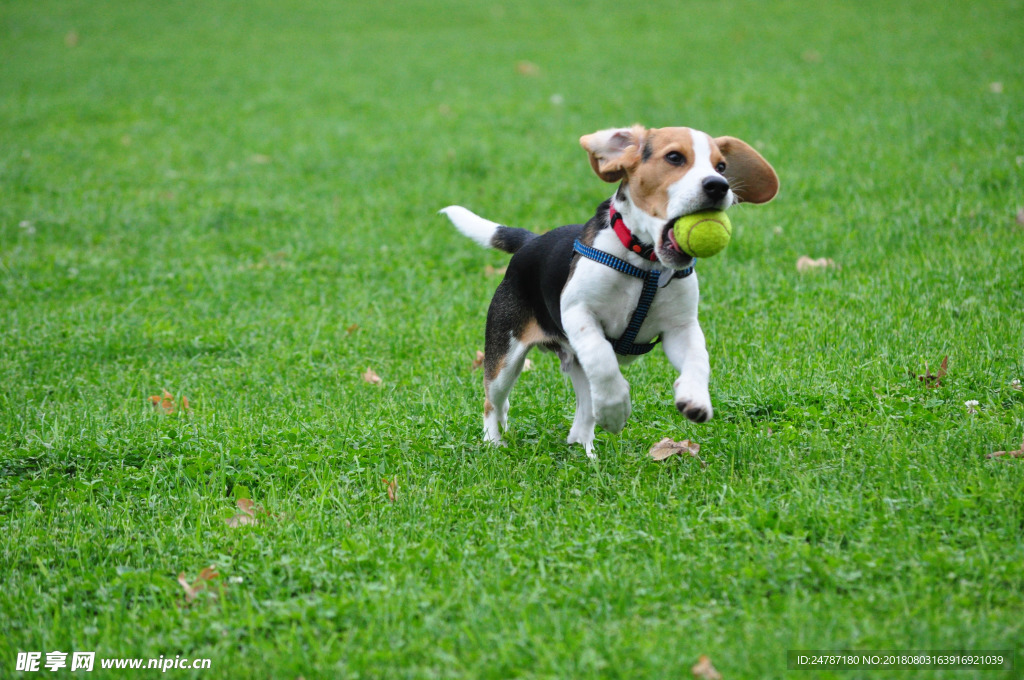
[602, 293]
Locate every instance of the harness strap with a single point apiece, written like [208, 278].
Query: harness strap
[652, 280]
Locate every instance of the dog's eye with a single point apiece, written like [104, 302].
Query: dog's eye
[720, 167]
[675, 158]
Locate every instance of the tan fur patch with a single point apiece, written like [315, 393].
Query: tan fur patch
[533, 334]
[490, 374]
[650, 180]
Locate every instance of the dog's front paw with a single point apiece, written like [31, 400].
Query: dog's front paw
[698, 413]
[612, 407]
[693, 401]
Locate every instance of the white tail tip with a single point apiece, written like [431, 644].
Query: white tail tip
[470, 224]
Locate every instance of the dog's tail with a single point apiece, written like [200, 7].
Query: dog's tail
[486, 233]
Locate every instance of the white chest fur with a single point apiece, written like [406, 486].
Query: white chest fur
[611, 296]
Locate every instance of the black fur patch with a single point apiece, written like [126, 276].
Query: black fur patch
[511, 239]
[532, 287]
[647, 152]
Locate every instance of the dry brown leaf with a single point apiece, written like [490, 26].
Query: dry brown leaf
[703, 670]
[248, 515]
[352, 329]
[479, 360]
[241, 521]
[201, 583]
[805, 263]
[667, 448]
[1019, 453]
[493, 271]
[527, 68]
[371, 377]
[165, 403]
[392, 488]
[934, 379]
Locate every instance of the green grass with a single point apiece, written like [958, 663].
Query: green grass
[207, 197]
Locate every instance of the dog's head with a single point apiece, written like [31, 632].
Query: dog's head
[666, 173]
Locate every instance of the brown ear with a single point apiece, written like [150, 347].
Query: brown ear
[612, 152]
[750, 176]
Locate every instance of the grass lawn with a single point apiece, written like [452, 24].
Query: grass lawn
[236, 202]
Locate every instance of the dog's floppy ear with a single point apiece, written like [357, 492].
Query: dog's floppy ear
[612, 151]
[750, 176]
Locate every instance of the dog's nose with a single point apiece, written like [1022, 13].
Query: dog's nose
[715, 187]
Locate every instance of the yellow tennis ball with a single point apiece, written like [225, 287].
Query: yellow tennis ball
[703, 234]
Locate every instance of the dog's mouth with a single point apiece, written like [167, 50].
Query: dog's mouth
[669, 251]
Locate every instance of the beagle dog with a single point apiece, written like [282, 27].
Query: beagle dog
[578, 290]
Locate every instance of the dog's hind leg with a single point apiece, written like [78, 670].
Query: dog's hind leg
[500, 374]
[582, 431]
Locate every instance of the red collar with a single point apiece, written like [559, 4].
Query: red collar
[626, 236]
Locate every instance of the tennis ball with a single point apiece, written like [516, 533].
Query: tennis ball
[703, 234]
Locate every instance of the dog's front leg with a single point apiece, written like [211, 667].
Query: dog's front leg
[609, 390]
[685, 348]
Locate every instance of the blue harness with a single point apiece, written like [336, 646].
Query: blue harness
[652, 281]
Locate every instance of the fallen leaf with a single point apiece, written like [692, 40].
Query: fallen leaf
[1019, 453]
[201, 583]
[667, 448]
[703, 670]
[805, 263]
[165, 403]
[248, 515]
[371, 377]
[241, 521]
[527, 68]
[494, 271]
[933, 380]
[392, 488]
[352, 329]
[479, 360]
